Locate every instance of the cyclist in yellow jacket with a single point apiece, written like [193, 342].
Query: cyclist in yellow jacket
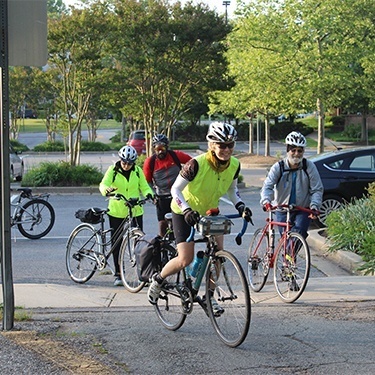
[199, 186]
[129, 180]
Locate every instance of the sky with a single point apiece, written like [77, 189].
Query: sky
[213, 4]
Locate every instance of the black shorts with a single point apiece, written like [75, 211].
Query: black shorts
[181, 229]
[163, 207]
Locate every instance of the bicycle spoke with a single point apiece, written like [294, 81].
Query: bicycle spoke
[292, 268]
[258, 263]
[36, 219]
[228, 299]
[128, 264]
[81, 256]
[169, 308]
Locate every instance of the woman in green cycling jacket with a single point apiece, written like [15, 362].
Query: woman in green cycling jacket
[127, 179]
[199, 186]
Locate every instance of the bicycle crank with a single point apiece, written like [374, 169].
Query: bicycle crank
[186, 299]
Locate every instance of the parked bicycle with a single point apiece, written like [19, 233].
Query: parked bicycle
[223, 278]
[33, 215]
[88, 249]
[289, 257]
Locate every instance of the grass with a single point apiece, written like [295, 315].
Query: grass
[38, 125]
[20, 314]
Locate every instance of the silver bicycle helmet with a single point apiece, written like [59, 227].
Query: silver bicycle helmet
[160, 139]
[221, 132]
[295, 139]
[128, 154]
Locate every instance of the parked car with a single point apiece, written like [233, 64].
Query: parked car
[16, 165]
[137, 139]
[345, 175]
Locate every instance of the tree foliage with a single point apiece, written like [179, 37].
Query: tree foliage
[290, 56]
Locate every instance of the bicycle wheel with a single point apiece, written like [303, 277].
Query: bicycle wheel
[258, 262]
[292, 267]
[226, 285]
[170, 307]
[80, 253]
[128, 265]
[36, 219]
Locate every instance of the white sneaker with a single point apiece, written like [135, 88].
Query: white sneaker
[118, 282]
[153, 291]
[216, 308]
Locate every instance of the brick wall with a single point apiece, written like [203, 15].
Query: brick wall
[357, 120]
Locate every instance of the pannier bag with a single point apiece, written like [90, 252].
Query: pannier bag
[90, 215]
[147, 257]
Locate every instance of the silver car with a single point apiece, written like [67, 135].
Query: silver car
[16, 165]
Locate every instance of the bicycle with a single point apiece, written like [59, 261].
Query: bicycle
[290, 257]
[225, 282]
[33, 215]
[128, 263]
[88, 250]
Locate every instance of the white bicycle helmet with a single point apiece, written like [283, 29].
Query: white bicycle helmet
[295, 139]
[128, 154]
[221, 132]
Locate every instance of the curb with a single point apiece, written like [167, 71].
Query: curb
[347, 260]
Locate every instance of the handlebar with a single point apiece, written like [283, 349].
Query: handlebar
[293, 207]
[131, 202]
[230, 216]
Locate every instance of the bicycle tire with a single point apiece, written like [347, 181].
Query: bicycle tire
[170, 307]
[80, 260]
[292, 267]
[36, 219]
[258, 263]
[226, 283]
[128, 264]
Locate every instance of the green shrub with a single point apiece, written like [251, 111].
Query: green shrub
[56, 146]
[353, 229]
[94, 146]
[371, 191]
[18, 146]
[62, 174]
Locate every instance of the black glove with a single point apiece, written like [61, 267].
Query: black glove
[244, 211]
[191, 217]
[110, 190]
[150, 196]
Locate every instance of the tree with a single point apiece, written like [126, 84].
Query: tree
[19, 85]
[164, 55]
[75, 45]
[288, 55]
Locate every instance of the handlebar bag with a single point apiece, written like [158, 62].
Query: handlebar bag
[90, 216]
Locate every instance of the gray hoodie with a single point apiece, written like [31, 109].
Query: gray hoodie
[309, 187]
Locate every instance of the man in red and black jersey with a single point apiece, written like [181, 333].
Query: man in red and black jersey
[161, 170]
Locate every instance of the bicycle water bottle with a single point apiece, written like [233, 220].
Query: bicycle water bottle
[198, 259]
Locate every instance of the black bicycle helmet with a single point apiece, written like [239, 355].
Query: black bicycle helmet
[221, 132]
[160, 139]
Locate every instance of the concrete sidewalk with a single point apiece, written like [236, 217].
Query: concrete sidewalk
[333, 289]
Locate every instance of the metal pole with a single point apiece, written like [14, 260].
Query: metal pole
[5, 238]
[226, 3]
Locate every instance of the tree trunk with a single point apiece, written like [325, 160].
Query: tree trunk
[251, 136]
[364, 129]
[320, 108]
[267, 135]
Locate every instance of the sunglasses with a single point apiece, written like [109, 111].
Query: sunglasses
[299, 150]
[160, 148]
[127, 162]
[223, 146]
